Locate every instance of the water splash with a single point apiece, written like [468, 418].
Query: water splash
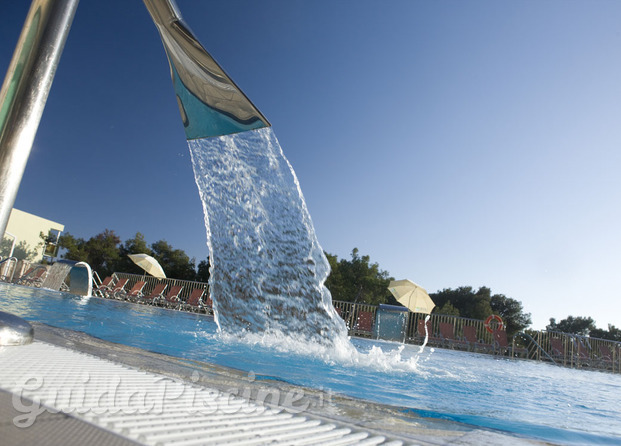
[267, 267]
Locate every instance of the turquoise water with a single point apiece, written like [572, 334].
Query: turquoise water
[538, 400]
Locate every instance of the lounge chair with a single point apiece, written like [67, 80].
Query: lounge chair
[582, 354]
[364, 324]
[155, 295]
[104, 287]
[420, 329]
[171, 299]
[133, 294]
[556, 349]
[606, 355]
[195, 301]
[33, 277]
[118, 287]
[470, 333]
[447, 332]
[502, 345]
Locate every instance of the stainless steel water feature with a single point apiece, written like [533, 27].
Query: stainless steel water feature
[14, 330]
[25, 90]
[209, 101]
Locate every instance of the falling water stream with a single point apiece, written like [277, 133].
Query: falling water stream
[267, 268]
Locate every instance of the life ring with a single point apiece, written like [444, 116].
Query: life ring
[493, 317]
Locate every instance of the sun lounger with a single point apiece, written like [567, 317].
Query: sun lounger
[195, 301]
[171, 299]
[447, 332]
[33, 277]
[118, 287]
[605, 356]
[470, 333]
[364, 324]
[502, 346]
[420, 329]
[104, 287]
[155, 295]
[133, 294]
[582, 354]
[557, 352]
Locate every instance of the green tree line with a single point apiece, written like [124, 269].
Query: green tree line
[106, 254]
[356, 279]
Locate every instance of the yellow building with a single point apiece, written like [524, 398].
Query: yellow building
[23, 236]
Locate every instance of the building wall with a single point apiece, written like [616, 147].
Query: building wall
[27, 227]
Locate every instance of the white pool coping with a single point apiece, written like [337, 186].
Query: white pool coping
[160, 400]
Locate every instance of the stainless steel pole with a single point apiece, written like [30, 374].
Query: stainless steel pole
[25, 91]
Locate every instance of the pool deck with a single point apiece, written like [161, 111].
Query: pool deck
[339, 419]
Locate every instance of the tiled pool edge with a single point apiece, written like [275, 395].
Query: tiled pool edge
[373, 418]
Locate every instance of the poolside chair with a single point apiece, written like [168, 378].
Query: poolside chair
[171, 299]
[364, 324]
[105, 286]
[155, 295]
[470, 333]
[502, 346]
[33, 277]
[132, 294]
[195, 301]
[557, 352]
[447, 332]
[420, 329]
[605, 356]
[582, 354]
[118, 287]
[208, 304]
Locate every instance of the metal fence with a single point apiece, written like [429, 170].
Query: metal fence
[471, 334]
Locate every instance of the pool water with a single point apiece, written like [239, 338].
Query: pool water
[528, 398]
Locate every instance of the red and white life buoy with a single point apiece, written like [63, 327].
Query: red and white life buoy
[488, 321]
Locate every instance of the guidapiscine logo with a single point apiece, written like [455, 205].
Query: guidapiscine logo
[96, 396]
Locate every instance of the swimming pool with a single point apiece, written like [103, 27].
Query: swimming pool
[534, 399]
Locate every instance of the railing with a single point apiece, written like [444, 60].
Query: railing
[555, 347]
[6, 269]
[151, 282]
[535, 351]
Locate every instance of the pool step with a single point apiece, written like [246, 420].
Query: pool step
[153, 409]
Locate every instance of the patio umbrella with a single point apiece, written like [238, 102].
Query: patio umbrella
[414, 297]
[149, 264]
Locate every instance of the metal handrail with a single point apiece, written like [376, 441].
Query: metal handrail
[4, 277]
[539, 348]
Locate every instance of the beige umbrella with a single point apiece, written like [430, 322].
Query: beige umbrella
[414, 297]
[149, 264]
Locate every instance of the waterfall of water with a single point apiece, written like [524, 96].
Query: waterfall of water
[56, 276]
[267, 268]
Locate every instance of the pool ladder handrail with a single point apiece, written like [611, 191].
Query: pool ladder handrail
[538, 347]
[4, 278]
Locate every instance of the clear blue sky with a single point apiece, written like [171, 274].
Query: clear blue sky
[456, 143]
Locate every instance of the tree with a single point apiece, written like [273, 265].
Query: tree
[101, 251]
[573, 325]
[136, 245]
[511, 312]
[202, 271]
[358, 280]
[613, 333]
[475, 305]
[175, 262]
[448, 309]
[21, 251]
